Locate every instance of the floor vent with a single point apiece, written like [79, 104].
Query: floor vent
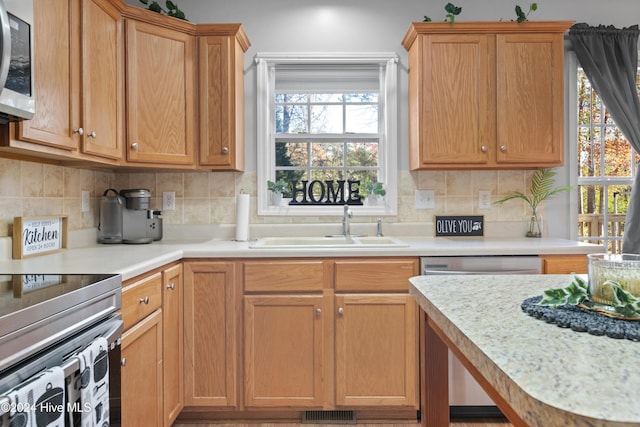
[329, 417]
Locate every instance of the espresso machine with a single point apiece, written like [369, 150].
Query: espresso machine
[126, 217]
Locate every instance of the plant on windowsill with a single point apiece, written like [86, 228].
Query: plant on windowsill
[373, 193]
[277, 189]
[540, 190]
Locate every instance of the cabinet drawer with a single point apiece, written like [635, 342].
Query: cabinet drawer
[283, 276]
[141, 298]
[564, 264]
[375, 275]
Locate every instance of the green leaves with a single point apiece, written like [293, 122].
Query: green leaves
[623, 302]
[539, 189]
[521, 16]
[452, 12]
[172, 8]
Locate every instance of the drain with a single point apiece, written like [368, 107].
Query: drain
[329, 417]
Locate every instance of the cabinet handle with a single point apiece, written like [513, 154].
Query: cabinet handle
[484, 148]
[318, 311]
[92, 135]
[144, 300]
[134, 146]
[171, 286]
[123, 362]
[79, 131]
[340, 310]
[225, 150]
[503, 148]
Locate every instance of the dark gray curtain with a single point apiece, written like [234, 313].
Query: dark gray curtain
[609, 57]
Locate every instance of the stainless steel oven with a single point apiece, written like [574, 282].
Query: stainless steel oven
[46, 320]
[466, 397]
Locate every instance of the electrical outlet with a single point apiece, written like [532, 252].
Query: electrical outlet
[168, 201]
[425, 199]
[86, 201]
[484, 199]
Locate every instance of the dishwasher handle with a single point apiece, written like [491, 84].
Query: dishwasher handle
[428, 272]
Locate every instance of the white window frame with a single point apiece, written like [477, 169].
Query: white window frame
[265, 138]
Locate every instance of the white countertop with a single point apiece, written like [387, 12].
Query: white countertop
[551, 376]
[132, 260]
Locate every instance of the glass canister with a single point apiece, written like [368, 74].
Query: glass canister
[621, 268]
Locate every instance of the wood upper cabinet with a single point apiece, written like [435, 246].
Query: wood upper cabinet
[172, 339]
[221, 96]
[210, 334]
[78, 81]
[486, 95]
[160, 95]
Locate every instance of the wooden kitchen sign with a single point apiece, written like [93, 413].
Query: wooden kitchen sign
[466, 225]
[38, 235]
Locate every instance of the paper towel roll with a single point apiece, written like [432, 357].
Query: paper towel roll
[242, 217]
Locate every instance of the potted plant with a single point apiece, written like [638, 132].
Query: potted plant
[373, 192]
[277, 188]
[540, 190]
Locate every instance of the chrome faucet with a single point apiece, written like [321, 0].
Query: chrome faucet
[346, 221]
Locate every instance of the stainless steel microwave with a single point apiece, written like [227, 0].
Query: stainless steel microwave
[16, 60]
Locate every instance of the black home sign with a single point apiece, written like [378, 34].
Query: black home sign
[318, 192]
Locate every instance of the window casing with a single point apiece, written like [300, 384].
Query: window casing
[327, 117]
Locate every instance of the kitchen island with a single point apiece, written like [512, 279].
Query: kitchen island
[537, 373]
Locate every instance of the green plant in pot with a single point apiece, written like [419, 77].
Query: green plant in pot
[374, 192]
[277, 189]
[540, 189]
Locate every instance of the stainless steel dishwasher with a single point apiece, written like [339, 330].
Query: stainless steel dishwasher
[466, 397]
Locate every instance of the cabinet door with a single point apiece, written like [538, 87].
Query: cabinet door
[56, 65]
[456, 123]
[564, 264]
[172, 336]
[210, 361]
[160, 79]
[283, 350]
[530, 94]
[376, 347]
[142, 373]
[221, 89]
[102, 74]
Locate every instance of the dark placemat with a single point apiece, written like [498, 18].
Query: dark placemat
[582, 320]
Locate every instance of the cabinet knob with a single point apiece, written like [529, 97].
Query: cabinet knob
[79, 131]
[318, 311]
[340, 310]
[144, 300]
[92, 135]
[123, 362]
[484, 148]
[225, 150]
[503, 148]
[134, 146]
[171, 286]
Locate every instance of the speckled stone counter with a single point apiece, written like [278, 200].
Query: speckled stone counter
[549, 376]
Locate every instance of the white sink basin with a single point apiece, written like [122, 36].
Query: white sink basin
[326, 242]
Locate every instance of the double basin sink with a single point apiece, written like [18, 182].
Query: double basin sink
[328, 242]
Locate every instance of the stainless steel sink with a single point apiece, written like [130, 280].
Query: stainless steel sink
[326, 242]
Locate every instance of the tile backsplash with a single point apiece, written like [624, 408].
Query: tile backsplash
[31, 189]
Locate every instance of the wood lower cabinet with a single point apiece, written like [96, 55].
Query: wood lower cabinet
[142, 373]
[160, 99]
[172, 343]
[564, 264]
[503, 81]
[210, 334]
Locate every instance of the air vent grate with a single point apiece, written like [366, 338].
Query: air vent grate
[329, 417]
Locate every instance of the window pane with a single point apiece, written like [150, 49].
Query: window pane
[589, 151]
[618, 154]
[327, 154]
[363, 176]
[326, 119]
[362, 118]
[362, 154]
[291, 118]
[294, 98]
[361, 97]
[326, 97]
[292, 154]
[327, 175]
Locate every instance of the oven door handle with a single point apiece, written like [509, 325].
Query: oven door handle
[113, 339]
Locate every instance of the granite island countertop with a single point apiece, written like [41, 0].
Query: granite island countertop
[549, 375]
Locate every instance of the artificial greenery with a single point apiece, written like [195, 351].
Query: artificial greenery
[539, 189]
[452, 12]
[172, 8]
[375, 188]
[524, 16]
[623, 302]
[280, 186]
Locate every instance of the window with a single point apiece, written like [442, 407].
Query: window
[326, 118]
[606, 167]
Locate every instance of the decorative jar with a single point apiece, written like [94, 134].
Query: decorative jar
[621, 268]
